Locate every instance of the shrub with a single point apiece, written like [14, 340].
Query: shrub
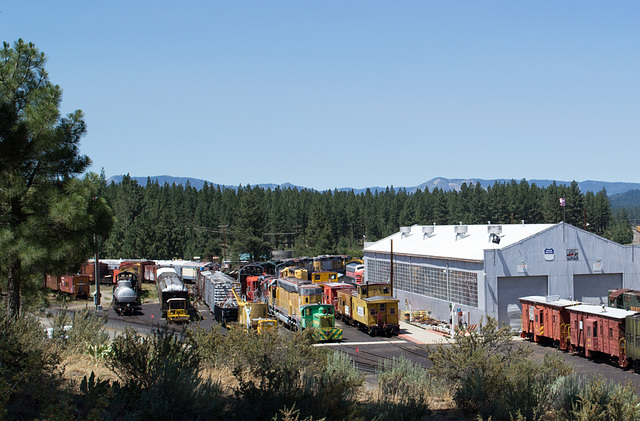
[160, 376]
[491, 376]
[599, 399]
[29, 368]
[85, 332]
[403, 390]
[273, 371]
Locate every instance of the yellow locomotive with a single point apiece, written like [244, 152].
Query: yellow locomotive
[298, 305]
[319, 277]
[371, 308]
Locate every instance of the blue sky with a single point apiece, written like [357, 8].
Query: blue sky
[328, 94]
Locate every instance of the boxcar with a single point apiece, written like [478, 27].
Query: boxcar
[546, 318]
[370, 308]
[88, 269]
[599, 329]
[72, 284]
[217, 294]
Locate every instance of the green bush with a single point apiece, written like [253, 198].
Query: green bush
[273, 371]
[491, 376]
[30, 378]
[403, 391]
[160, 377]
[85, 332]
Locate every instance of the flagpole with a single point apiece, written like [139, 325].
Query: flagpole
[564, 214]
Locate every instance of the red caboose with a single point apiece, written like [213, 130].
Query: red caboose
[330, 292]
[546, 318]
[597, 328]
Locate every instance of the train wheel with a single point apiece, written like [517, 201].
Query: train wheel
[636, 366]
[372, 333]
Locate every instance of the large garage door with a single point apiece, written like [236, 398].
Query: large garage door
[591, 289]
[510, 289]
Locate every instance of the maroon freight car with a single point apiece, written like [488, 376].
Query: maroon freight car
[73, 284]
[546, 318]
[88, 269]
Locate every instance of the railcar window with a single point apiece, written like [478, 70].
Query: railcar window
[383, 307]
[638, 341]
[589, 331]
[610, 333]
[308, 312]
[595, 331]
[373, 311]
[385, 290]
[392, 310]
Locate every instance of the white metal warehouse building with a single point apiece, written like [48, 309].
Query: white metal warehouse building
[483, 269]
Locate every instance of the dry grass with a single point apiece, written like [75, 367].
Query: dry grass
[77, 366]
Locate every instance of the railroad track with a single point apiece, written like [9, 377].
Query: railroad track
[370, 362]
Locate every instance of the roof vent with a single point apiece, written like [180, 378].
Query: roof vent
[460, 230]
[428, 231]
[405, 232]
[494, 229]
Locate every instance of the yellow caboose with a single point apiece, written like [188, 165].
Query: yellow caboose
[371, 308]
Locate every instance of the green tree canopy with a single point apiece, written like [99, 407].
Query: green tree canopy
[47, 215]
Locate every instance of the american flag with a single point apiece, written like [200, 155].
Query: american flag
[562, 202]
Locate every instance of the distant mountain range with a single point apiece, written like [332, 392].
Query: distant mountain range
[621, 194]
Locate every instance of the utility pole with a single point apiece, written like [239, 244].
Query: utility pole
[224, 242]
[96, 273]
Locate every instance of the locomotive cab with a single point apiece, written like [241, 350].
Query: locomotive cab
[177, 310]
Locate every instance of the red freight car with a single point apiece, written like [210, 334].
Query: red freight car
[330, 292]
[150, 271]
[88, 269]
[77, 285]
[546, 318]
[599, 329]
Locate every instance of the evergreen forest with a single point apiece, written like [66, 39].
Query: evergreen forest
[180, 221]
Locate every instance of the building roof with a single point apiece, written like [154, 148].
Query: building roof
[460, 242]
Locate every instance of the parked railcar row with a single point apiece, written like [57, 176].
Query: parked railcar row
[299, 302]
[609, 330]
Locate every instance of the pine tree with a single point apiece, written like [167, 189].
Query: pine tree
[47, 215]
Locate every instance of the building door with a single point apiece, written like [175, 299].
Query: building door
[511, 289]
[592, 289]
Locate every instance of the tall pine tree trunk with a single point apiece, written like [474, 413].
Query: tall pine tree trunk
[13, 289]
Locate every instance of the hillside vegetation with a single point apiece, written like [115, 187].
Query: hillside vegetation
[79, 374]
[175, 221]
